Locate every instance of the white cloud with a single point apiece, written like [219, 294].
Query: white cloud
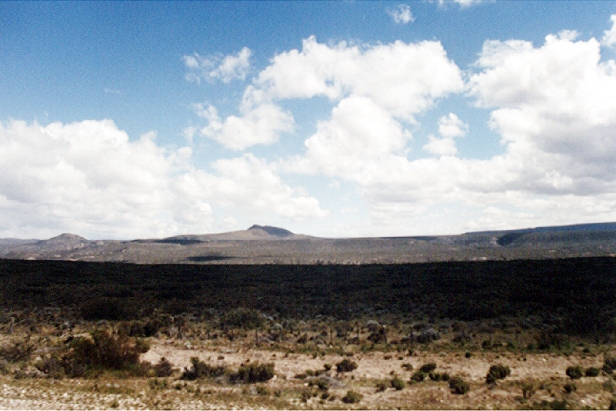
[225, 68]
[449, 127]
[89, 178]
[402, 78]
[553, 105]
[354, 143]
[249, 183]
[257, 125]
[401, 14]
[461, 3]
[441, 146]
[609, 36]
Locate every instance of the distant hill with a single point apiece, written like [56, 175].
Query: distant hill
[262, 244]
[256, 232]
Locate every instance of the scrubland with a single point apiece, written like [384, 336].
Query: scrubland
[483, 335]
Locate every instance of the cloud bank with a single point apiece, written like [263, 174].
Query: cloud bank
[90, 178]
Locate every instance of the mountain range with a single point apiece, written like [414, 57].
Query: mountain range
[273, 245]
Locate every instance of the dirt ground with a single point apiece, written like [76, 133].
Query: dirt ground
[545, 370]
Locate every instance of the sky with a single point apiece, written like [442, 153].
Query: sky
[124, 120]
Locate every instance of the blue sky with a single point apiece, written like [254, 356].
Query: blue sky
[337, 119]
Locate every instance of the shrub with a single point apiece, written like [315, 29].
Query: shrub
[346, 365]
[164, 368]
[575, 372]
[264, 391]
[428, 368]
[253, 373]
[612, 405]
[528, 389]
[497, 372]
[435, 376]
[397, 383]
[418, 376]
[570, 387]
[103, 351]
[111, 309]
[592, 372]
[244, 318]
[407, 366]
[609, 364]
[200, 369]
[381, 386]
[322, 384]
[458, 386]
[352, 397]
[52, 367]
[18, 351]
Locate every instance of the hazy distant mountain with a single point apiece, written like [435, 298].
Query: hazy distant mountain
[274, 245]
[256, 232]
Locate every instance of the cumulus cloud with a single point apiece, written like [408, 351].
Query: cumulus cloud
[354, 142]
[257, 125]
[609, 36]
[404, 78]
[401, 14]
[224, 68]
[249, 183]
[449, 127]
[554, 107]
[90, 178]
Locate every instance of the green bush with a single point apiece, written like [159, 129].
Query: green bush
[99, 352]
[352, 397]
[592, 372]
[458, 386]
[418, 376]
[428, 368]
[253, 373]
[575, 372]
[200, 369]
[497, 372]
[346, 365]
[104, 351]
[570, 387]
[397, 383]
[612, 405]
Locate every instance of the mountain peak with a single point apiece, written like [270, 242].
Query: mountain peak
[66, 237]
[275, 231]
